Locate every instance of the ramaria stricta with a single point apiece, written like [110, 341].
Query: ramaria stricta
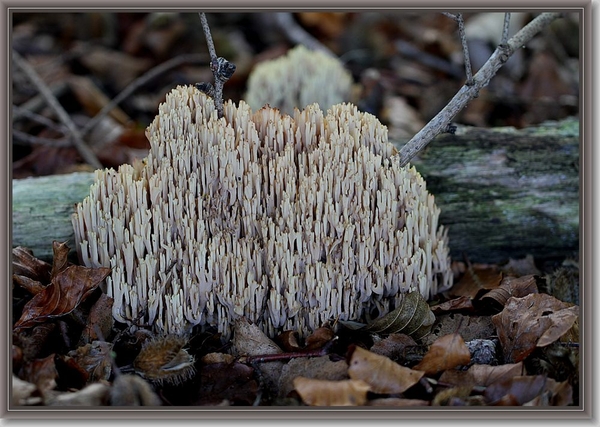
[290, 221]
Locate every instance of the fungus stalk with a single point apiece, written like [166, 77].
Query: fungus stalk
[289, 221]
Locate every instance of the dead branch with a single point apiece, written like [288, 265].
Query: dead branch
[442, 120]
[85, 152]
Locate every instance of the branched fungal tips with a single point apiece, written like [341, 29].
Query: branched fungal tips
[289, 221]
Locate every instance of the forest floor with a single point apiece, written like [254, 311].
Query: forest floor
[505, 335]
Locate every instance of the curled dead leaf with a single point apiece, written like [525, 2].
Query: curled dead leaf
[381, 373]
[535, 320]
[65, 292]
[481, 375]
[331, 393]
[446, 352]
[413, 317]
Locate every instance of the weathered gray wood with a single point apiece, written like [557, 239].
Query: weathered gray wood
[42, 208]
[503, 193]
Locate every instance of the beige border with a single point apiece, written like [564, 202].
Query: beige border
[246, 414]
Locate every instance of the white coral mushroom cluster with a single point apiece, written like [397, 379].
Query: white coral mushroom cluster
[288, 221]
[298, 79]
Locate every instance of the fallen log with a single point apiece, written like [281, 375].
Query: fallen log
[503, 193]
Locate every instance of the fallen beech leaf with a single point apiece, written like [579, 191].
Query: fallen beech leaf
[320, 368]
[95, 359]
[68, 288]
[562, 322]
[527, 321]
[318, 338]
[32, 286]
[463, 303]
[25, 264]
[554, 394]
[481, 375]
[511, 287]
[413, 317]
[331, 393]
[446, 352]
[100, 321]
[209, 358]
[393, 346]
[521, 389]
[475, 279]
[60, 255]
[288, 341]
[382, 374]
[250, 340]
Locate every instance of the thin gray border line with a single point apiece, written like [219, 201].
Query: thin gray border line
[352, 412]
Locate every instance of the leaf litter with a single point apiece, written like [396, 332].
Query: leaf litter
[68, 350]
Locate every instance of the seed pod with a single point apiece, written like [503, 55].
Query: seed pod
[165, 359]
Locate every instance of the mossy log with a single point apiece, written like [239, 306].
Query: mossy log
[503, 193]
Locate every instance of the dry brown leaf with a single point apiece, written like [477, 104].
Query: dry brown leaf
[481, 375]
[463, 303]
[100, 321]
[60, 255]
[320, 368]
[250, 340]
[517, 390]
[554, 394]
[95, 359]
[393, 346]
[526, 322]
[511, 287]
[331, 393]
[25, 264]
[318, 338]
[382, 374]
[446, 352]
[68, 288]
[475, 279]
[413, 317]
[32, 286]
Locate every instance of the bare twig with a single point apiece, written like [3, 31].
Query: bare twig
[140, 81]
[463, 40]
[222, 69]
[36, 140]
[81, 146]
[296, 33]
[505, 29]
[23, 112]
[441, 121]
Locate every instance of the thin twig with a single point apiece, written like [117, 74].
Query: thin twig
[441, 121]
[505, 29]
[23, 112]
[465, 47]
[85, 152]
[222, 69]
[36, 140]
[209, 41]
[298, 35]
[140, 81]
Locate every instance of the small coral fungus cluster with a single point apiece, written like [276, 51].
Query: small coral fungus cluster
[290, 221]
